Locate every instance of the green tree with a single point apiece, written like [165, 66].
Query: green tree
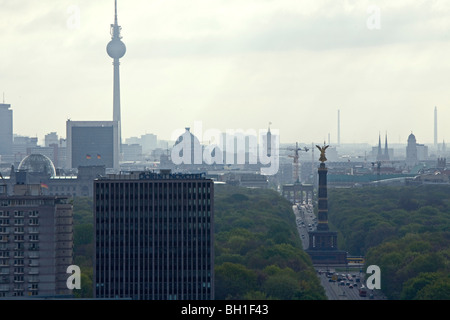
[233, 281]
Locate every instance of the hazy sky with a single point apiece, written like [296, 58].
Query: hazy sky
[232, 64]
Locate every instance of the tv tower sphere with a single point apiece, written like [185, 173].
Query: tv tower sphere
[116, 48]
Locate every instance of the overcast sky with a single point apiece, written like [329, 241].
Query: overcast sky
[232, 64]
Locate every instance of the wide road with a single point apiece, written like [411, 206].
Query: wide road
[346, 288]
[306, 221]
[350, 281]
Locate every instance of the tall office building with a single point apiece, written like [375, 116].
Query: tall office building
[411, 150]
[92, 143]
[36, 243]
[154, 236]
[6, 129]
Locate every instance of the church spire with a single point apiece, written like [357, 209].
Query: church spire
[386, 149]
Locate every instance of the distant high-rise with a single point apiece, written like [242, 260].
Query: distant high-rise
[116, 49]
[154, 236]
[6, 129]
[51, 139]
[411, 150]
[92, 143]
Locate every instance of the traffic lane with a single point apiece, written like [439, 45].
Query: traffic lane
[336, 291]
[301, 227]
[330, 290]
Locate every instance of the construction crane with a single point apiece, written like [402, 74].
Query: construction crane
[295, 156]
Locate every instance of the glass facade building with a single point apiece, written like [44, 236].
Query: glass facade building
[154, 237]
[92, 143]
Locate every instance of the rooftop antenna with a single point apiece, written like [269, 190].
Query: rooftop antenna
[115, 11]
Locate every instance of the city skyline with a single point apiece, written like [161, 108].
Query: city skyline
[232, 65]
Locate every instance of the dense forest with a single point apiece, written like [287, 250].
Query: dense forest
[258, 253]
[403, 230]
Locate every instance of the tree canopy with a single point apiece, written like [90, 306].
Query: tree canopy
[403, 230]
[258, 250]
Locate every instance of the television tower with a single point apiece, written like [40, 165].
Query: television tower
[116, 49]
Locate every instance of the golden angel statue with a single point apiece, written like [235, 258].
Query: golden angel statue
[322, 153]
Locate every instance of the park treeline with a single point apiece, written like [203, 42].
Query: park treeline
[403, 230]
[258, 253]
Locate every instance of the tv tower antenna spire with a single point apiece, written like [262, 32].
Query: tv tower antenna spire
[116, 49]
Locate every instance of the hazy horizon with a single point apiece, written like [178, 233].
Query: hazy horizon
[232, 65]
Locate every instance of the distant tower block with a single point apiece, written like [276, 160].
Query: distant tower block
[116, 49]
